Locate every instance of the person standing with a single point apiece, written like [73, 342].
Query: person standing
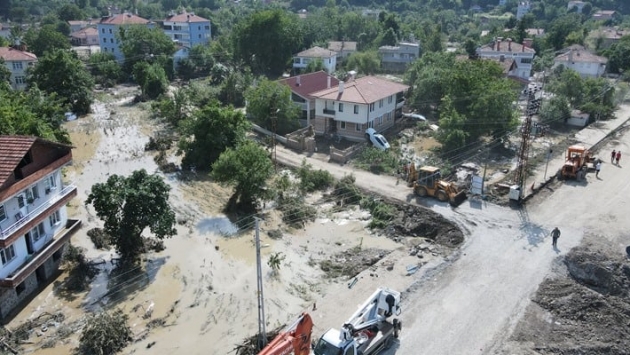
[613, 155]
[555, 234]
[598, 167]
[618, 157]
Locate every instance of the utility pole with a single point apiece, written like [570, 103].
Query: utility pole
[546, 166]
[533, 104]
[262, 332]
[274, 124]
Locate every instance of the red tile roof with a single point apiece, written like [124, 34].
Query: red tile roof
[365, 90]
[10, 54]
[124, 19]
[186, 17]
[84, 32]
[309, 83]
[12, 150]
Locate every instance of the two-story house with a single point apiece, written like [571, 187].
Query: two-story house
[607, 36]
[343, 49]
[522, 54]
[303, 86]
[17, 62]
[34, 225]
[187, 29]
[328, 58]
[108, 29]
[582, 61]
[76, 25]
[398, 58]
[87, 36]
[350, 108]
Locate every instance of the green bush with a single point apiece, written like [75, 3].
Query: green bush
[312, 180]
[382, 213]
[295, 211]
[105, 334]
[346, 190]
[377, 161]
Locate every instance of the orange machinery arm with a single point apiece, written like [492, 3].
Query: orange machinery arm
[296, 339]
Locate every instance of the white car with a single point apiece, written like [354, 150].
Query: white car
[376, 139]
[415, 116]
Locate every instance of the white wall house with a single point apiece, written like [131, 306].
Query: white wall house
[303, 86]
[522, 54]
[34, 225]
[350, 108]
[582, 61]
[17, 62]
[328, 58]
[398, 58]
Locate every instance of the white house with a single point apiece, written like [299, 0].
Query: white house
[17, 62]
[350, 108]
[187, 29]
[582, 61]
[343, 48]
[328, 58]
[397, 58]
[34, 225]
[302, 88]
[523, 8]
[522, 54]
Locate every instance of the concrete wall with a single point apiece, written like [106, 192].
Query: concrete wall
[9, 298]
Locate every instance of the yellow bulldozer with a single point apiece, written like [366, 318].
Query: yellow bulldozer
[427, 181]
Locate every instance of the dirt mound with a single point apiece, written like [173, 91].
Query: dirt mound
[415, 221]
[351, 262]
[586, 311]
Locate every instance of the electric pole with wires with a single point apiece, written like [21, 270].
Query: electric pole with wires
[534, 99]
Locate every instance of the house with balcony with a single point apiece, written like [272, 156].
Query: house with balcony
[187, 29]
[522, 54]
[607, 36]
[343, 49]
[302, 88]
[87, 36]
[581, 60]
[108, 29]
[349, 108]
[397, 58]
[328, 58]
[34, 223]
[17, 62]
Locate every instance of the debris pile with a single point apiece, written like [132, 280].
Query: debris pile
[350, 263]
[250, 345]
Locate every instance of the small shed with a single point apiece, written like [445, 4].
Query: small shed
[578, 118]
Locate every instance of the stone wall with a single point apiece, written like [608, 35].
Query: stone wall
[343, 156]
[9, 298]
[302, 140]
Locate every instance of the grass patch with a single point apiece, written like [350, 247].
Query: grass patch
[382, 213]
[377, 161]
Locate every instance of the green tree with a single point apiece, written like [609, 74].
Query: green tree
[62, 73]
[619, 55]
[388, 38]
[270, 100]
[5, 76]
[366, 63]
[46, 39]
[69, 12]
[234, 86]
[174, 110]
[561, 28]
[105, 69]
[555, 110]
[315, 66]
[275, 262]
[453, 133]
[246, 167]
[266, 40]
[105, 334]
[140, 44]
[128, 206]
[471, 47]
[568, 84]
[151, 78]
[208, 133]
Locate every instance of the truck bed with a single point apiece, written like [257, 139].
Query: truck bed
[376, 344]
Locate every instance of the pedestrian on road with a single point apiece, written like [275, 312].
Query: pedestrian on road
[613, 155]
[555, 234]
[598, 167]
[618, 157]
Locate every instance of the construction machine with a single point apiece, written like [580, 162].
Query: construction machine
[295, 339]
[576, 163]
[427, 181]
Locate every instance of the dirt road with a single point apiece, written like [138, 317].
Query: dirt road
[474, 303]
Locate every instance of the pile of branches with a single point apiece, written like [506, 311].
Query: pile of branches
[250, 345]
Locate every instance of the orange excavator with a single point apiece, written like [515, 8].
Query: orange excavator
[295, 339]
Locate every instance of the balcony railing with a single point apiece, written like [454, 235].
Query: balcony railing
[329, 112]
[36, 211]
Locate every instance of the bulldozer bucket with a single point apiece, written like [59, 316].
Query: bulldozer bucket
[458, 198]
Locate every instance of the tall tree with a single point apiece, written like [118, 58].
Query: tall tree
[269, 101]
[128, 206]
[69, 12]
[208, 133]
[246, 167]
[140, 43]
[151, 78]
[105, 69]
[46, 39]
[266, 40]
[366, 63]
[62, 72]
[453, 133]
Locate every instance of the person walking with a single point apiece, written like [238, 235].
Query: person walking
[555, 234]
[618, 157]
[598, 167]
[613, 155]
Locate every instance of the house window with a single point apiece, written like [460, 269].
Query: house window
[50, 183]
[102, 30]
[207, 27]
[380, 103]
[342, 125]
[379, 121]
[110, 31]
[371, 107]
[199, 27]
[390, 99]
[356, 109]
[21, 201]
[199, 36]
[296, 60]
[3, 213]
[104, 40]
[526, 60]
[20, 80]
[370, 124]
[358, 127]
[7, 254]
[388, 117]
[111, 40]
[38, 232]
[17, 65]
[54, 218]
[32, 193]
[340, 107]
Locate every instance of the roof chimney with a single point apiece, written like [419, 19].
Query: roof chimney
[340, 87]
[328, 82]
[499, 43]
[571, 55]
[509, 44]
[297, 81]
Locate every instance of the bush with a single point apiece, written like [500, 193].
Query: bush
[105, 334]
[377, 161]
[382, 213]
[312, 180]
[295, 211]
[81, 271]
[100, 238]
[346, 190]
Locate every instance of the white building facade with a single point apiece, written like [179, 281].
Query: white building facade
[582, 61]
[522, 54]
[304, 58]
[17, 62]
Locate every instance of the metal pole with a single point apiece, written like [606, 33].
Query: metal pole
[262, 333]
[546, 166]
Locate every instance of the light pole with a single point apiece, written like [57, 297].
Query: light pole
[546, 166]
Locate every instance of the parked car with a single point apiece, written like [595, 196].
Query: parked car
[415, 116]
[376, 139]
